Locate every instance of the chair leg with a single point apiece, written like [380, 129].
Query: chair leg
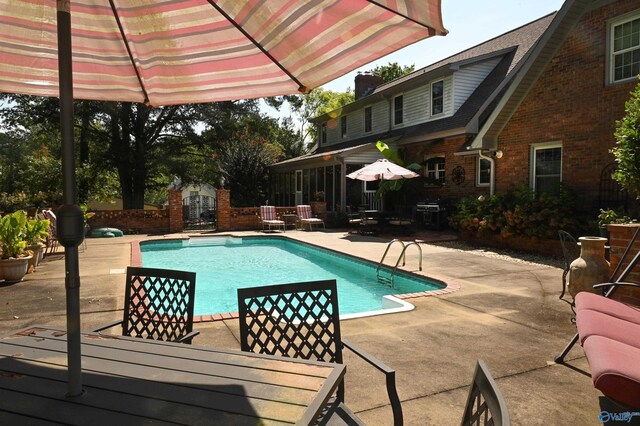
[560, 358]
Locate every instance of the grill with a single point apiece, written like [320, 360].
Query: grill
[432, 213]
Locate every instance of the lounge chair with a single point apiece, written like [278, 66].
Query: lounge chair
[52, 239]
[485, 404]
[302, 321]
[158, 305]
[305, 216]
[268, 218]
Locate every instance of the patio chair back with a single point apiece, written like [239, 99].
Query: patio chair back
[158, 303]
[298, 320]
[268, 213]
[485, 403]
[304, 211]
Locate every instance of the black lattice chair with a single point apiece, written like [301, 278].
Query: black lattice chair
[301, 320]
[158, 305]
[570, 251]
[485, 404]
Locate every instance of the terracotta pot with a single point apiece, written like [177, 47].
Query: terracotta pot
[13, 270]
[590, 268]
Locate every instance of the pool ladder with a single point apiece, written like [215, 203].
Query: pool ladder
[389, 280]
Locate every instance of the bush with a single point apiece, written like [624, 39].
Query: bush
[521, 213]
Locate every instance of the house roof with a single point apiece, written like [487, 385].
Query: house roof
[329, 154]
[516, 43]
[533, 66]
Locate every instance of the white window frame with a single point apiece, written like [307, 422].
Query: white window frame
[532, 166]
[432, 99]
[364, 118]
[611, 25]
[344, 128]
[366, 188]
[393, 109]
[438, 172]
[483, 184]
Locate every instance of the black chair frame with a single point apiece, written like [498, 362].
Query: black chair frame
[158, 305]
[301, 320]
[570, 252]
[485, 403]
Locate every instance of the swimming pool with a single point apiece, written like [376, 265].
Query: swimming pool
[224, 264]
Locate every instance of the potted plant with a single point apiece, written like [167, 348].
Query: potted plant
[14, 262]
[610, 216]
[35, 235]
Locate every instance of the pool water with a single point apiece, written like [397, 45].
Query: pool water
[224, 264]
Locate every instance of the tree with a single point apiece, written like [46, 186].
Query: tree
[627, 149]
[392, 71]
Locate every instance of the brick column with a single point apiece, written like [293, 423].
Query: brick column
[175, 210]
[619, 238]
[223, 209]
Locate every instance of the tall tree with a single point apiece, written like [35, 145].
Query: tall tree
[392, 71]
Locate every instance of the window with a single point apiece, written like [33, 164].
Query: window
[343, 126]
[398, 110]
[437, 97]
[546, 167]
[484, 172]
[434, 169]
[371, 185]
[367, 119]
[323, 133]
[624, 49]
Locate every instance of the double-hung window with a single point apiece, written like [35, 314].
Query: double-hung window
[624, 48]
[434, 169]
[484, 172]
[546, 167]
[323, 134]
[398, 110]
[368, 119]
[343, 126]
[437, 97]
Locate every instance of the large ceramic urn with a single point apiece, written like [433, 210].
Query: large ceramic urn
[590, 268]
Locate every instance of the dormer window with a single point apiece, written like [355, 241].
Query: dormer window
[437, 97]
[368, 119]
[323, 133]
[398, 110]
[343, 126]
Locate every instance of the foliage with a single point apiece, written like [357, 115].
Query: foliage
[392, 71]
[521, 213]
[395, 185]
[627, 149]
[318, 196]
[36, 230]
[12, 234]
[611, 216]
[244, 160]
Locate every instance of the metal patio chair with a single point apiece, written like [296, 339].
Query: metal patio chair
[485, 403]
[301, 320]
[158, 305]
[570, 251]
[305, 216]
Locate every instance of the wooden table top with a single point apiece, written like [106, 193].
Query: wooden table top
[129, 380]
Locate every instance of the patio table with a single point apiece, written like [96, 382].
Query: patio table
[131, 380]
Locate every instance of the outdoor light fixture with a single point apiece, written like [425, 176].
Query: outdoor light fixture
[498, 154]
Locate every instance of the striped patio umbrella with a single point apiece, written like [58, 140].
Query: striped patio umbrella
[186, 51]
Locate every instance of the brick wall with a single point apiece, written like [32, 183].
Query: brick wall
[619, 238]
[132, 221]
[450, 191]
[570, 103]
[175, 210]
[240, 218]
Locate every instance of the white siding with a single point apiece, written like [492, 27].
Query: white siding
[380, 116]
[333, 131]
[415, 105]
[468, 78]
[365, 157]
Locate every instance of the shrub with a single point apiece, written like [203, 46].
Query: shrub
[521, 213]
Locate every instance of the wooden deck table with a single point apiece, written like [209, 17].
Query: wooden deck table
[132, 381]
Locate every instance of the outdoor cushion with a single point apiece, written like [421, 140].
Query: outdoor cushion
[594, 302]
[593, 323]
[304, 212]
[615, 369]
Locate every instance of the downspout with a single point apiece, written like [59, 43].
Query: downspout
[492, 161]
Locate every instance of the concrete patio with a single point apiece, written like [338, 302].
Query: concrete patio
[505, 312]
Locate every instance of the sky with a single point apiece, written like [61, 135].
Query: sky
[470, 22]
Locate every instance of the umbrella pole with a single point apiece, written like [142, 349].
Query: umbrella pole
[68, 218]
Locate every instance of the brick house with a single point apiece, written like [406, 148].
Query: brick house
[543, 111]
[428, 115]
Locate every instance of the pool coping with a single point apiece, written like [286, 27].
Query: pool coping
[450, 285]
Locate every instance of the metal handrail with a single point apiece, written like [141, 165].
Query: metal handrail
[401, 257]
[387, 251]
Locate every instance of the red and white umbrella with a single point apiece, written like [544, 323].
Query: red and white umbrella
[382, 169]
[189, 51]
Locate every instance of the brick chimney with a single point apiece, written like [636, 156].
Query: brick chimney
[365, 83]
